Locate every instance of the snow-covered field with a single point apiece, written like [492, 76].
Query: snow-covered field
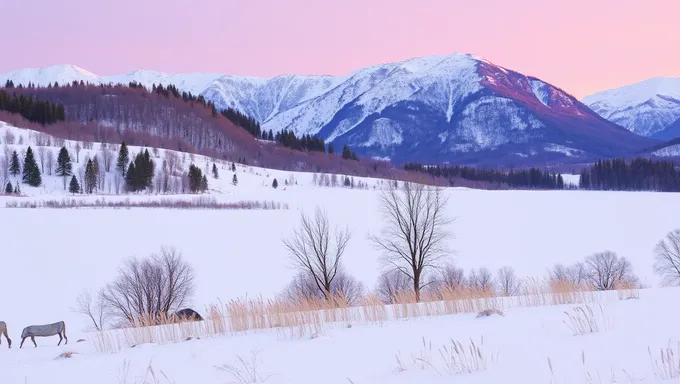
[49, 256]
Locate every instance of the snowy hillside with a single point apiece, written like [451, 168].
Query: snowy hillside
[436, 109]
[55, 254]
[645, 108]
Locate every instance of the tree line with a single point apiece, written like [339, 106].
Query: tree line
[640, 174]
[33, 110]
[532, 178]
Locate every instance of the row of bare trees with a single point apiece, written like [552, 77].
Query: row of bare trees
[413, 242]
[414, 246]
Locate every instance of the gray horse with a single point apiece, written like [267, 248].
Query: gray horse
[3, 331]
[32, 331]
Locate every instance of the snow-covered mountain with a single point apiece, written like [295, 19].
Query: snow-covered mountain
[451, 108]
[646, 108]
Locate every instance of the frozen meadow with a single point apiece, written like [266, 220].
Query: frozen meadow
[52, 255]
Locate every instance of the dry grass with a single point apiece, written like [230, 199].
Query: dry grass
[489, 312]
[203, 202]
[667, 365]
[304, 318]
[244, 371]
[150, 376]
[452, 358]
[582, 320]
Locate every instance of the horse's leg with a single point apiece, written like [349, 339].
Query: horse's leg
[60, 338]
[65, 338]
[22, 342]
[33, 340]
[9, 341]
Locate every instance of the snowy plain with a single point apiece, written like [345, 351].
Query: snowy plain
[49, 256]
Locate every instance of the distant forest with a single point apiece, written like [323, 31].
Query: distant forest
[639, 174]
[532, 178]
[35, 111]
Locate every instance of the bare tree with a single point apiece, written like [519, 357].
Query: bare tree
[606, 271]
[314, 252]
[4, 172]
[414, 237]
[450, 278]
[667, 258]
[147, 289]
[41, 157]
[94, 310]
[49, 160]
[78, 148]
[9, 137]
[507, 282]
[304, 287]
[107, 157]
[576, 274]
[481, 280]
[390, 284]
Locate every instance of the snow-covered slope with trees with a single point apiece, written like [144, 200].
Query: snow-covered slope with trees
[646, 108]
[452, 108]
[55, 255]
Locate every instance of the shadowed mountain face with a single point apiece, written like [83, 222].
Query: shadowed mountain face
[439, 109]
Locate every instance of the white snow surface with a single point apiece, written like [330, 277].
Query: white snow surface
[644, 108]
[51, 255]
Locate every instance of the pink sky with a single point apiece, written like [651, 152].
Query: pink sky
[582, 46]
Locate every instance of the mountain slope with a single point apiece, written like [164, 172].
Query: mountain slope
[645, 108]
[453, 108]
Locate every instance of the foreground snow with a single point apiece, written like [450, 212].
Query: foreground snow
[529, 345]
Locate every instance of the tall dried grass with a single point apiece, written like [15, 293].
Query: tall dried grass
[454, 358]
[203, 202]
[312, 316]
[667, 365]
[583, 319]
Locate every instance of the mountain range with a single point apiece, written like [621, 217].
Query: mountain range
[439, 109]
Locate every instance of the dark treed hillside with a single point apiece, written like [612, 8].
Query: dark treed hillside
[164, 118]
[639, 174]
[33, 110]
[532, 178]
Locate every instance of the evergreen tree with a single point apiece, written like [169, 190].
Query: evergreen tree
[95, 164]
[347, 182]
[8, 188]
[14, 167]
[123, 159]
[31, 171]
[214, 171]
[275, 184]
[204, 184]
[90, 177]
[131, 178]
[330, 149]
[64, 165]
[74, 187]
[233, 167]
[17, 189]
[195, 178]
[234, 180]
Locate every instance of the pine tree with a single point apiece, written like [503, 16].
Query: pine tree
[216, 175]
[17, 189]
[347, 182]
[90, 177]
[14, 167]
[131, 178]
[234, 180]
[123, 159]
[204, 184]
[233, 167]
[195, 178]
[74, 187]
[95, 167]
[8, 188]
[275, 184]
[64, 165]
[31, 171]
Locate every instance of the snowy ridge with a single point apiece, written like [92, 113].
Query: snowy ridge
[447, 108]
[645, 108]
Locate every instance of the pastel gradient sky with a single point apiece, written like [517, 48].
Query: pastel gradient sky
[582, 46]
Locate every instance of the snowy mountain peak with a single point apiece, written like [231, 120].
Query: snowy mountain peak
[645, 108]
